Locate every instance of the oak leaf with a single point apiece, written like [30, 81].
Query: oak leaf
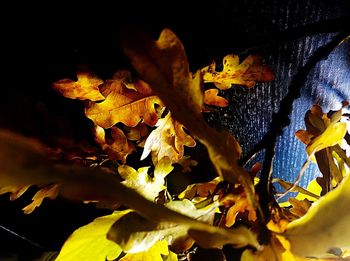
[167, 140]
[250, 71]
[163, 64]
[158, 252]
[324, 226]
[142, 182]
[125, 102]
[85, 88]
[50, 192]
[118, 147]
[212, 98]
[24, 163]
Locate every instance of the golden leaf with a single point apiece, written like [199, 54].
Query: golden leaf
[247, 73]
[89, 243]
[167, 140]
[142, 182]
[50, 191]
[156, 253]
[85, 88]
[125, 102]
[211, 98]
[118, 148]
[324, 226]
[240, 205]
[199, 189]
[24, 163]
[163, 64]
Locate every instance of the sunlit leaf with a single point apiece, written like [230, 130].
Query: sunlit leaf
[85, 88]
[142, 182]
[50, 192]
[163, 64]
[90, 242]
[333, 134]
[325, 225]
[199, 189]
[250, 71]
[212, 98]
[118, 147]
[125, 102]
[157, 253]
[24, 163]
[135, 234]
[240, 205]
[167, 140]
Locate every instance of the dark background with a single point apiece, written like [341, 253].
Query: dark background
[45, 43]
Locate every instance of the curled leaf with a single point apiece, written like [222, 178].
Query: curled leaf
[247, 73]
[118, 147]
[163, 64]
[167, 140]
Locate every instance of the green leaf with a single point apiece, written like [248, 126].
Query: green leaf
[89, 243]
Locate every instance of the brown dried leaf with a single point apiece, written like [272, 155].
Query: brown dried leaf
[163, 64]
[125, 102]
[118, 148]
[299, 207]
[85, 88]
[247, 73]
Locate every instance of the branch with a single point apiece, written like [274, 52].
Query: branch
[281, 119]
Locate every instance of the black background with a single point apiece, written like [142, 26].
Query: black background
[43, 43]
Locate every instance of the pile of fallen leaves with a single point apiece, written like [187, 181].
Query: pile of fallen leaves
[159, 113]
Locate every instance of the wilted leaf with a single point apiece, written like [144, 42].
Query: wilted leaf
[118, 148]
[156, 253]
[142, 182]
[167, 140]
[299, 207]
[125, 102]
[250, 71]
[211, 98]
[50, 191]
[85, 88]
[90, 243]
[163, 64]
[325, 225]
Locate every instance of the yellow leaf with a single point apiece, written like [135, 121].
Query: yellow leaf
[123, 103]
[24, 163]
[211, 98]
[118, 148]
[333, 134]
[325, 225]
[140, 181]
[163, 64]
[247, 73]
[85, 88]
[155, 253]
[167, 140]
[50, 191]
[89, 243]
